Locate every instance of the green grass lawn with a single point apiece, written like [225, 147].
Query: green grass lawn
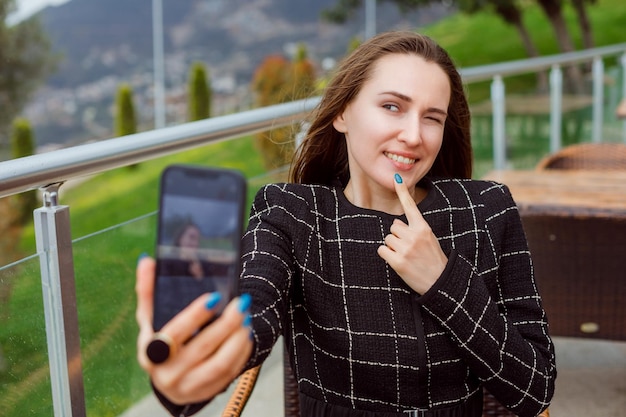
[105, 258]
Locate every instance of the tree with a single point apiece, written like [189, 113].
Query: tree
[510, 12]
[277, 80]
[270, 85]
[199, 93]
[124, 119]
[125, 122]
[22, 144]
[26, 60]
[553, 10]
[584, 22]
[302, 78]
[270, 79]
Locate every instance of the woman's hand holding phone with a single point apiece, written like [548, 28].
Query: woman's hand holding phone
[203, 366]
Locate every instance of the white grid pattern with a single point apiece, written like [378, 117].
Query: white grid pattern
[361, 338]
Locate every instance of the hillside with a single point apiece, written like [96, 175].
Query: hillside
[98, 38]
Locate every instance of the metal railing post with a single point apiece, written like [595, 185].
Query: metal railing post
[598, 98]
[54, 246]
[370, 18]
[556, 107]
[499, 115]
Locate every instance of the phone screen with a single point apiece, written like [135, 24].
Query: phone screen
[199, 236]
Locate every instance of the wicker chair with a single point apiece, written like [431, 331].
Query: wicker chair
[588, 156]
[245, 385]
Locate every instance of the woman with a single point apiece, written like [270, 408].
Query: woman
[185, 262]
[400, 285]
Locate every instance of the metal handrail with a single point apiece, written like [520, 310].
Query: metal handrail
[524, 66]
[31, 172]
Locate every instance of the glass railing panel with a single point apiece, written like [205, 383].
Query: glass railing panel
[24, 372]
[104, 265]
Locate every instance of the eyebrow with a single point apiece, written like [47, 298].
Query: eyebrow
[408, 99]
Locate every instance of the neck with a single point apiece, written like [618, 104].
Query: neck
[379, 199]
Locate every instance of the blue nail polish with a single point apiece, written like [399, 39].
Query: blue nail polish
[141, 256]
[398, 178]
[214, 299]
[247, 321]
[244, 302]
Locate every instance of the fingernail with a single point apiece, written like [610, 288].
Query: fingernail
[247, 320]
[251, 335]
[398, 178]
[244, 302]
[214, 299]
[141, 256]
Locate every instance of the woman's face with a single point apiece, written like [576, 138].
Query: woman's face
[395, 124]
[190, 238]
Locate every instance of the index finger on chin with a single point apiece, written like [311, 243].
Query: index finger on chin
[409, 205]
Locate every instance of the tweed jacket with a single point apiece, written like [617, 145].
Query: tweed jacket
[359, 337]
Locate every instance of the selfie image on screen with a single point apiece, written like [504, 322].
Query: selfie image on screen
[196, 252]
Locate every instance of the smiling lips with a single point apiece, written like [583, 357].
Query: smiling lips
[399, 158]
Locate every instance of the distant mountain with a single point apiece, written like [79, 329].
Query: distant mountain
[106, 42]
[99, 37]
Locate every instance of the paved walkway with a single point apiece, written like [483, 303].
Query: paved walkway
[591, 383]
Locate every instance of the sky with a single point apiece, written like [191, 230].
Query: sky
[27, 7]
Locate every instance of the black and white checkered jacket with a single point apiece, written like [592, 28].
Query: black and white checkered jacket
[360, 338]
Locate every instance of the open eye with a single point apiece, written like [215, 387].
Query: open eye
[391, 107]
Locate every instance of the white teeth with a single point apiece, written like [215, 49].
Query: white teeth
[399, 158]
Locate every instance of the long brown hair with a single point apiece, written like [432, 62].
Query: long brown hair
[323, 156]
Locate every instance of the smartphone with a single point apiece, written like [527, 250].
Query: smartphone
[200, 225]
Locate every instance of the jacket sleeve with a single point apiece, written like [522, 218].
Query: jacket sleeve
[495, 316]
[268, 265]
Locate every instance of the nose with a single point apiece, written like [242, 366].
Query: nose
[410, 131]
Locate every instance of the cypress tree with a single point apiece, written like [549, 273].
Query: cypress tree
[22, 144]
[199, 94]
[125, 122]
[124, 119]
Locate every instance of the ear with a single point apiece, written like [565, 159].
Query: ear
[340, 124]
